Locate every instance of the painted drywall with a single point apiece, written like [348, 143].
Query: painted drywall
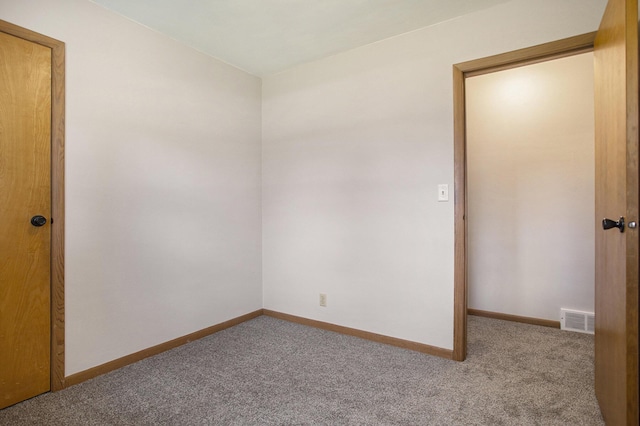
[354, 147]
[162, 183]
[530, 186]
[163, 177]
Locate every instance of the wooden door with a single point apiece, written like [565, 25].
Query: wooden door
[25, 185]
[616, 304]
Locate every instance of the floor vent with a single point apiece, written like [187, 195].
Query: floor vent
[582, 322]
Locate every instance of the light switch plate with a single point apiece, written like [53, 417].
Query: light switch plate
[443, 192]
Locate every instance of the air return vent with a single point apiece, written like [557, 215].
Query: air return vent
[582, 322]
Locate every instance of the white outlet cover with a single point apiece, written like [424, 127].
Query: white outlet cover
[323, 300]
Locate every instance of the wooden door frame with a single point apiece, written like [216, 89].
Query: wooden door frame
[57, 194]
[544, 52]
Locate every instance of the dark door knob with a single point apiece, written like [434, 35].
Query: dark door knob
[38, 220]
[608, 224]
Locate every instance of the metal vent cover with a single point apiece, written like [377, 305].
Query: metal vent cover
[580, 321]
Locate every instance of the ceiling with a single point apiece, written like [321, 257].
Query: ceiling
[264, 37]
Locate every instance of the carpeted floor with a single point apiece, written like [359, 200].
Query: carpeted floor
[271, 372]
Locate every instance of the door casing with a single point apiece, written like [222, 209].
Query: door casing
[57, 194]
[548, 51]
[517, 58]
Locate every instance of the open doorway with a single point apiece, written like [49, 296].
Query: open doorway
[463, 71]
[530, 191]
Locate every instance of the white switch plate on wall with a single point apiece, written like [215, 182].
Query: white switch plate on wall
[443, 192]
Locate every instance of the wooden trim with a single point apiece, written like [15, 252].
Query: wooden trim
[530, 55]
[544, 52]
[633, 210]
[514, 318]
[379, 338]
[82, 376]
[57, 193]
[58, 216]
[460, 211]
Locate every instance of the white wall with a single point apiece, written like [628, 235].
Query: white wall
[162, 179]
[530, 173]
[354, 147]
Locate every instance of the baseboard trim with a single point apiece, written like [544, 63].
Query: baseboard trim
[514, 318]
[99, 370]
[379, 338]
[82, 376]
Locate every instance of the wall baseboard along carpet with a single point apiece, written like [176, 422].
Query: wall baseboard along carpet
[379, 338]
[99, 370]
[514, 318]
[80, 377]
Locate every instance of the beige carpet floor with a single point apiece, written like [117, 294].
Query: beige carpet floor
[271, 372]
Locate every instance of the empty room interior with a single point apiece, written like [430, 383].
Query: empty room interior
[292, 162]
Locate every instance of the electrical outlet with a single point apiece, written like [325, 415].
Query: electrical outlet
[323, 299]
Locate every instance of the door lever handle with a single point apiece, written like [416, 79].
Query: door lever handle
[608, 224]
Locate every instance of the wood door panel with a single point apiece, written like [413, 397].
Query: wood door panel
[616, 295]
[25, 185]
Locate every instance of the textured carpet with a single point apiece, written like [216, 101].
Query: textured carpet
[272, 372]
